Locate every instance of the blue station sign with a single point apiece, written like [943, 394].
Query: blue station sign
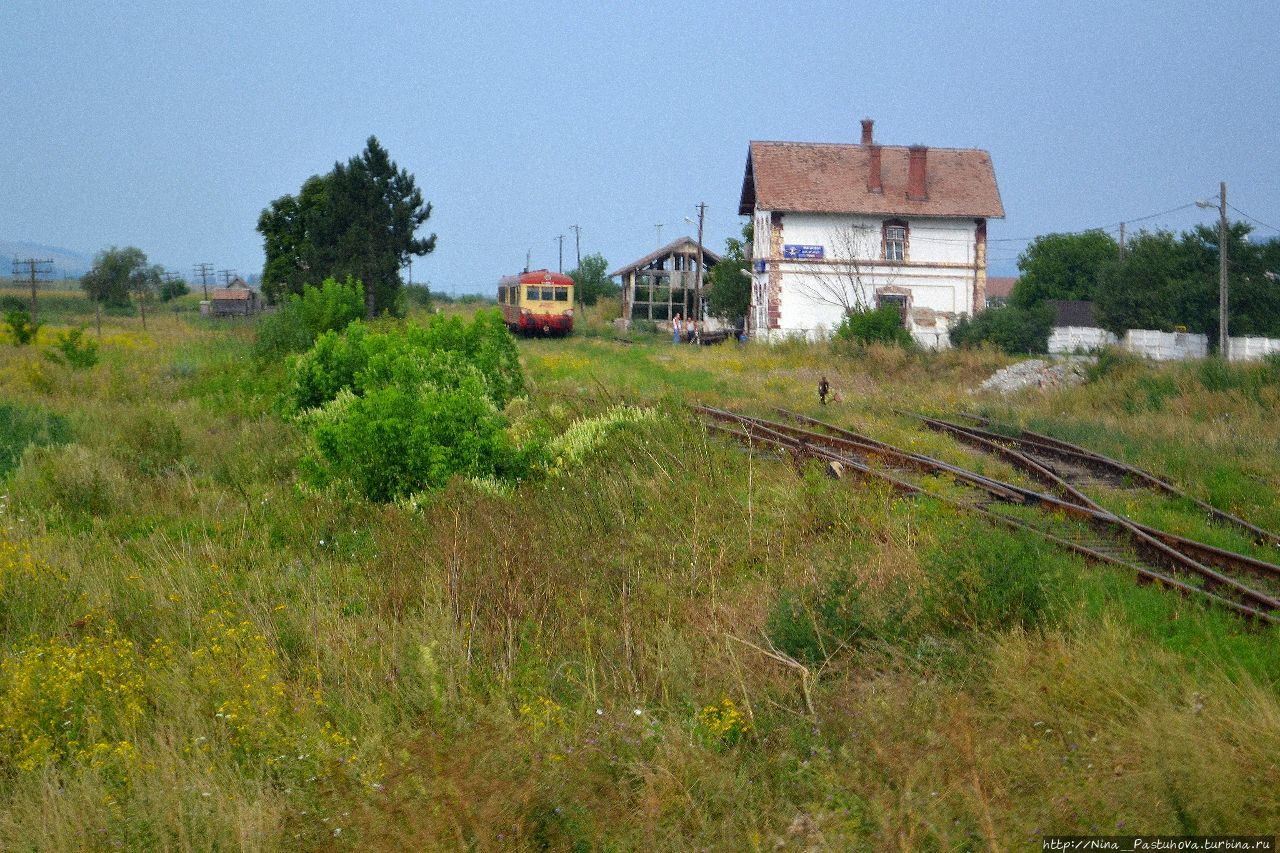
[796, 252]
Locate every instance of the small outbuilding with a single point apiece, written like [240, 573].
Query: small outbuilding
[664, 282]
[234, 300]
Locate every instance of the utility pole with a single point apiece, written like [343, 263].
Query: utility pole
[35, 269]
[561, 239]
[227, 275]
[697, 287]
[1224, 340]
[577, 243]
[1122, 241]
[659, 227]
[203, 270]
[528, 258]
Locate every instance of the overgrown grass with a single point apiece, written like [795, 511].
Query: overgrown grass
[580, 662]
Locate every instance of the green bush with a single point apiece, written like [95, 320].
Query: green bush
[881, 325]
[360, 359]
[400, 411]
[838, 613]
[1013, 330]
[302, 319]
[73, 349]
[22, 425]
[432, 420]
[171, 290]
[21, 327]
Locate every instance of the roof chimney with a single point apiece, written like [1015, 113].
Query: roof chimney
[917, 171]
[874, 183]
[866, 130]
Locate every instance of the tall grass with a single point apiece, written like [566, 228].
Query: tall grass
[595, 659]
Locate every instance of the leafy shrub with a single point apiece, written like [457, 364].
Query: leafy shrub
[1013, 330]
[360, 359]
[412, 435]
[22, 425]
[171, 290]
[73, 349]
[881, 325]
[400, 411]
[21, 329]
[813, 625]
[302, 319]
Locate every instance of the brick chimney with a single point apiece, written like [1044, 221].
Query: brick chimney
[874, 182]
[917, 172]
[866, 130]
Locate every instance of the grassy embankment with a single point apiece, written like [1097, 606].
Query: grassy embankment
[200, 653]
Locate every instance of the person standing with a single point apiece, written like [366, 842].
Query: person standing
[675, 329]
[824, 388]
[690, 330]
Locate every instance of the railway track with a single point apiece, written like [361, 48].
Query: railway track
[1191, 568]
[1082, 468]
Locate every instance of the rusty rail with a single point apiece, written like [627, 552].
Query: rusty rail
[852, 450]
[1046, 445]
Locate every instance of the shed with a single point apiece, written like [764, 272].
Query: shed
[663, 283]
[234, 301]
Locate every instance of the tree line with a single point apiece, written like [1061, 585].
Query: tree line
[1162, 280]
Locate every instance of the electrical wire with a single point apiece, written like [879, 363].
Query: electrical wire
[1252, 219]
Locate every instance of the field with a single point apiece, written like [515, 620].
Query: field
[669, 642]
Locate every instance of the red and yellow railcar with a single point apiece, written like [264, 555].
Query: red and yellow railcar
[537, 302]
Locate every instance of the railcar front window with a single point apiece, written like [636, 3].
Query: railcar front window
[548, 294]
[532, 294]
[562, 294]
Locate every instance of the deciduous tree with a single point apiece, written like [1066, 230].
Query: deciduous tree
[591, 281]
[1063, 266]
[108, 281]
[729, 281]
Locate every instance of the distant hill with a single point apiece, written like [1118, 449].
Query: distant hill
[66, 263]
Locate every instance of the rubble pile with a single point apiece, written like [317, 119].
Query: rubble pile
[1039, 373]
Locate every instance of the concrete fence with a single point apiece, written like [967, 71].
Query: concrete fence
[1161, 346]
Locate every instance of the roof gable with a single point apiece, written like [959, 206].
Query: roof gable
[684, 245]
[820, 177]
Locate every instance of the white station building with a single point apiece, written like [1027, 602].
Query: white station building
[841, 227]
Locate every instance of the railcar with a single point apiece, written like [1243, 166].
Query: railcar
[537, 302]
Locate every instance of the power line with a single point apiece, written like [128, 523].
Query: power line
[1252, 219]
[1110, 227]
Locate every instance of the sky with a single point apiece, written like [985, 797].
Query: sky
[170, 126]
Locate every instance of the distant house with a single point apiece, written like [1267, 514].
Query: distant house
[234, 300]
[999, 289]
[840, 226]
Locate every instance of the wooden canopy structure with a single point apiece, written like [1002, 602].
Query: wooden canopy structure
[662, 283]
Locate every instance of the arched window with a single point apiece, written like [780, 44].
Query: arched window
[895, 240]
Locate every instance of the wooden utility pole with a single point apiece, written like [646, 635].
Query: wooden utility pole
[697, 287]
[1224, 340]
[577, 243]
[34, 269]
[203, 270]
[561, 239]
[227, 275]
[1122, 241]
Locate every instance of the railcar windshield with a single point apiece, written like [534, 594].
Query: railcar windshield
[562, 294]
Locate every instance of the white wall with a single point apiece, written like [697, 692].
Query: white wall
[1080, 339]
[814, 294]
[1252, 349]
[1166, 346]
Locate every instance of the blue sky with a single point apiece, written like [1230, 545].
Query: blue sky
[170, 126]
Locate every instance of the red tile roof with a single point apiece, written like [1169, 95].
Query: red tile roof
[1000, 286]
[233, 293]
[820, 177]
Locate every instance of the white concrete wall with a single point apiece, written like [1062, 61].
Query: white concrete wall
[1080, 339]
[1252, 348]
[1166, 346]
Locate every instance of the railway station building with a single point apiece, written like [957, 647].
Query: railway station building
[842, 227]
